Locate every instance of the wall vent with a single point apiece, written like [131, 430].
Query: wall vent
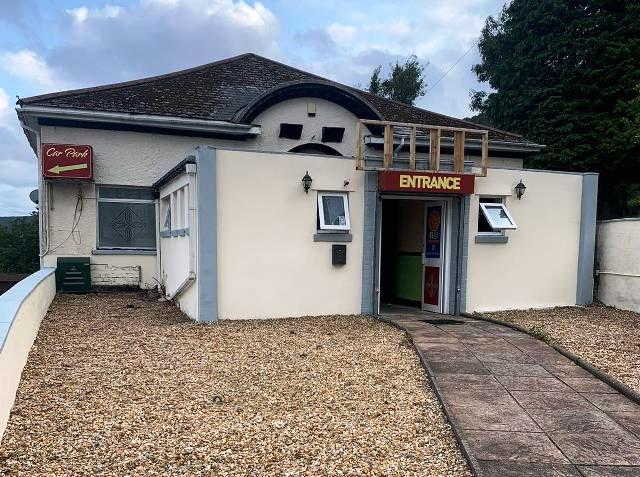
[73, 275]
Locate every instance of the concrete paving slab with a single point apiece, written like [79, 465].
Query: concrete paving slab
[611, 402]
[567, 371]
[588, 385]
[513, 446]
[609, 471]
[516, 469]
[552, 401]
[520, 358]
[574, 421]
[520, 408]
[512, 369]
[599, 448]
[459, 367]
[630, 420]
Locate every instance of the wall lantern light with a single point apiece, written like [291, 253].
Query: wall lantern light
[520, 188]
[306, 182]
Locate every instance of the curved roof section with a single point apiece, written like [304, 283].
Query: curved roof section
[308, 89]
[222, 90]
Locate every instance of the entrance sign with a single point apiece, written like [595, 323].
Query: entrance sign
[67, 161]
[414, 181]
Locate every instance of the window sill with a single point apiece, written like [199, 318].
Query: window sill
[120, 251]
[332, 237]
[489, 238]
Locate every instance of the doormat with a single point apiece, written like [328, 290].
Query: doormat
[442, 321]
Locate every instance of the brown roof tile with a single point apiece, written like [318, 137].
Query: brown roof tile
[216, 91]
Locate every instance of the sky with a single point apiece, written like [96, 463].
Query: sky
[53, 45]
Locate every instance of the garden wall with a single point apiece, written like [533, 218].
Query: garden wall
[21, 311]
[618, 263]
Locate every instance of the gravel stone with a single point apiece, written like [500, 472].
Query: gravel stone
[606, 337]
[121, 384]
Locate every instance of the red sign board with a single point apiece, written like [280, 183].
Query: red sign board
[414, 181]
[431, 285]
[67, 161]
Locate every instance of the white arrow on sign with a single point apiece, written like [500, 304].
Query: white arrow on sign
[58, 169]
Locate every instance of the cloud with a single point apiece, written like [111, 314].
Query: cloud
[110, 43]
[103, 41]
[19, 174]
[28, 65]
[118, 43]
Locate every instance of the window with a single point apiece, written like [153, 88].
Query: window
[495, 216]
[174, 211]
[290, 131]
[165, 211]
[332, 134]
[483, 224]
[333, 211]
[126, 218]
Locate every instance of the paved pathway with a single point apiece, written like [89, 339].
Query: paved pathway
[519, 407]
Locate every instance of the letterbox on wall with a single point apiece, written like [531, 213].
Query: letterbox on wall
[338, 254]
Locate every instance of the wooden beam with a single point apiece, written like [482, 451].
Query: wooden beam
[484, 163]
[458, 151]
[434, 149]
[388, 147]
[376, 122]
[412, 149]
[359, 149]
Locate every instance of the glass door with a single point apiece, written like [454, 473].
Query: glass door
[433, 257]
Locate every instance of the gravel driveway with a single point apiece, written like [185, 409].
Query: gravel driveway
[606, 337]
[118, 384]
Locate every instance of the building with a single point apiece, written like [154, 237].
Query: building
[249, 189]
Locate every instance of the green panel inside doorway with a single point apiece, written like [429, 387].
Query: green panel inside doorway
[408, 277]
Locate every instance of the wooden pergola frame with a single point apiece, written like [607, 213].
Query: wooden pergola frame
[434, 133]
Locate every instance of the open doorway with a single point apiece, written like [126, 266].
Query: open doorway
[414, 254]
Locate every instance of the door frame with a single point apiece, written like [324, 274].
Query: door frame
[446, 276]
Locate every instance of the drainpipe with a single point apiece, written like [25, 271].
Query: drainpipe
[190, 169]
[43, 196]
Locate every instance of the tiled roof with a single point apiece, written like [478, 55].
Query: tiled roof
[216, 91]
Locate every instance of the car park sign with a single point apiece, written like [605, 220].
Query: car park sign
[67, 161]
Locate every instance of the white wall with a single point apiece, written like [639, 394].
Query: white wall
[21, 311]
[538, 266]
[618, 262]
[139, 159]
[294, 111]
[268, 264]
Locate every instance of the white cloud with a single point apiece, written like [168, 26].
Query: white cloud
[28, 65]
[341, 33]
[17, 163]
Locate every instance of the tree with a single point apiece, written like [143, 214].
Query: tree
[19, 245]
[405, 83]
[566, 74]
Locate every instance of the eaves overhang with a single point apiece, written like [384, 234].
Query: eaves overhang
[35, 115]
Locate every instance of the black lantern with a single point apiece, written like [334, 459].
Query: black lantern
[306, 182]
[520, 188]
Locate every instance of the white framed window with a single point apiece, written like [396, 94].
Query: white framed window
[497, 216]
[333, 211]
